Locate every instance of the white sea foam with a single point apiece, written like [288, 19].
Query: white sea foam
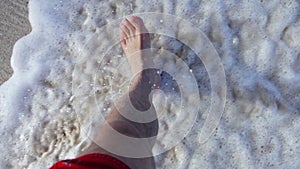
[48, 106]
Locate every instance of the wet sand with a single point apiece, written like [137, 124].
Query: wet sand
[14, 25]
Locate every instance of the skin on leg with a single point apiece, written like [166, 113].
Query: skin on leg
[134, 38]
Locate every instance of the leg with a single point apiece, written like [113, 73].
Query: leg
[133, 39]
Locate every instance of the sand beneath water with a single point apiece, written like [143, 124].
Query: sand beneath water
[14, 25]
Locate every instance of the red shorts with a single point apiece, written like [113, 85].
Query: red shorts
[91, 161]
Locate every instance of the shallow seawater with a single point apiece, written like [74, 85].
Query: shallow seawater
[69, 70]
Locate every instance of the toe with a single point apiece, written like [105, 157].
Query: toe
[122, 36]
[130, 27]
[138, 23]
[136, 19]
[125, 31]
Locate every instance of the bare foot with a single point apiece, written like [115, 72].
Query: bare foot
[134, 35]
[134, 39]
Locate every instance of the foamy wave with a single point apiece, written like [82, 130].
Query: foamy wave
[48, 106]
